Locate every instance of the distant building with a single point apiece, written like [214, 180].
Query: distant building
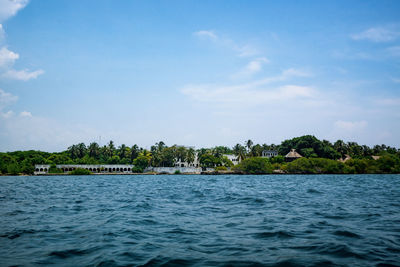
[235, 159]
[185, 164]
[269, 153]
[100, 168]
[292, 155]
[376, 157]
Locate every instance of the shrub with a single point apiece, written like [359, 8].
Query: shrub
[221, 168]
[137, 169]
[13, 169]
[177, 172]
[80, 171]
[255, 165]
[54, 169]
[315, 166]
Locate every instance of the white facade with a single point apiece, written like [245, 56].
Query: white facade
[269, 153]
[235, 159]
[185, 164]
[98, 168]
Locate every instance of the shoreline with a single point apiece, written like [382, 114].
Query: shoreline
[203, 173]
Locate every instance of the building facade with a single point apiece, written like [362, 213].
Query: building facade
[99, 168]
[235, 159]
[269, 153]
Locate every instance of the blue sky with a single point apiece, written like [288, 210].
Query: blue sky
[199, 73]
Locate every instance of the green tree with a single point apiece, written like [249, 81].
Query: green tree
[143, 160]
[239, 151]
[191, 155]
[249, 144]
[94, 150]
[254, 165]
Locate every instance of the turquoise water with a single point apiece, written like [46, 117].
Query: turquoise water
[271, 220]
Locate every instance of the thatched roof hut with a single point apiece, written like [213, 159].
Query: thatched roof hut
[292, 155]
[346, 158]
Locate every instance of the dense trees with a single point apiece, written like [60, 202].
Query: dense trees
[318, 157]
[255, 165]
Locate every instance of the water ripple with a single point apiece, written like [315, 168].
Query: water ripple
[164, 220]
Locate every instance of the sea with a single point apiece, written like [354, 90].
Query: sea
[200, 220]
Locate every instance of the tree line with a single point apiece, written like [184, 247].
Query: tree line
[313, 150]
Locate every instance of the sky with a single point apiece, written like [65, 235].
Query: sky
[197, 73]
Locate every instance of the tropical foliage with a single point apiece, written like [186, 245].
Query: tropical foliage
[318, 157]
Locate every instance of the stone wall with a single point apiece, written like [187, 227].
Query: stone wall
[98, 168]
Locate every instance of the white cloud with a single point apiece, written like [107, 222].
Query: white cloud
[246, 96]
[206, 34]
[6, 99]
[2, 33]
[350, 126]
[25, 114]
[253, 67]
[7, 57]
[378, 34]
[296, 72]
[246, 50]
[23, 75]
[256, 65]
[9, 8]
[254, 92]
[251, 93]
[7, 114]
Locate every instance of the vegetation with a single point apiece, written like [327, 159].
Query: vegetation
[80, 171]
[318, 157]
[255, 165]
[221, 168]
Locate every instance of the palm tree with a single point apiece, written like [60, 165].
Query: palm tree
[249, 144]
[191, 155]
[181, 153]
[239, 151]
[341, 147]
[122, 151]
[73, 151]
[94, 150]
[110, 148]
[160, 145]
[81, 150]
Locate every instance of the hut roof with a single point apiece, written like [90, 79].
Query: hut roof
[376, 157]
[347, 157]
[293, 154]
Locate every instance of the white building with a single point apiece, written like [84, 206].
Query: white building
[195, 163]
[99, 168]
[235, 159]
[269, 153]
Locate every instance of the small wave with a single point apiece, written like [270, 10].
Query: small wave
[17, 233]
[337, 250]
[14, 212]
[197, 193]
[251, 200]
[63, 254]
[107, 263]
[237, 263]
[346, 234]
[313, 191]
[278, 234]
